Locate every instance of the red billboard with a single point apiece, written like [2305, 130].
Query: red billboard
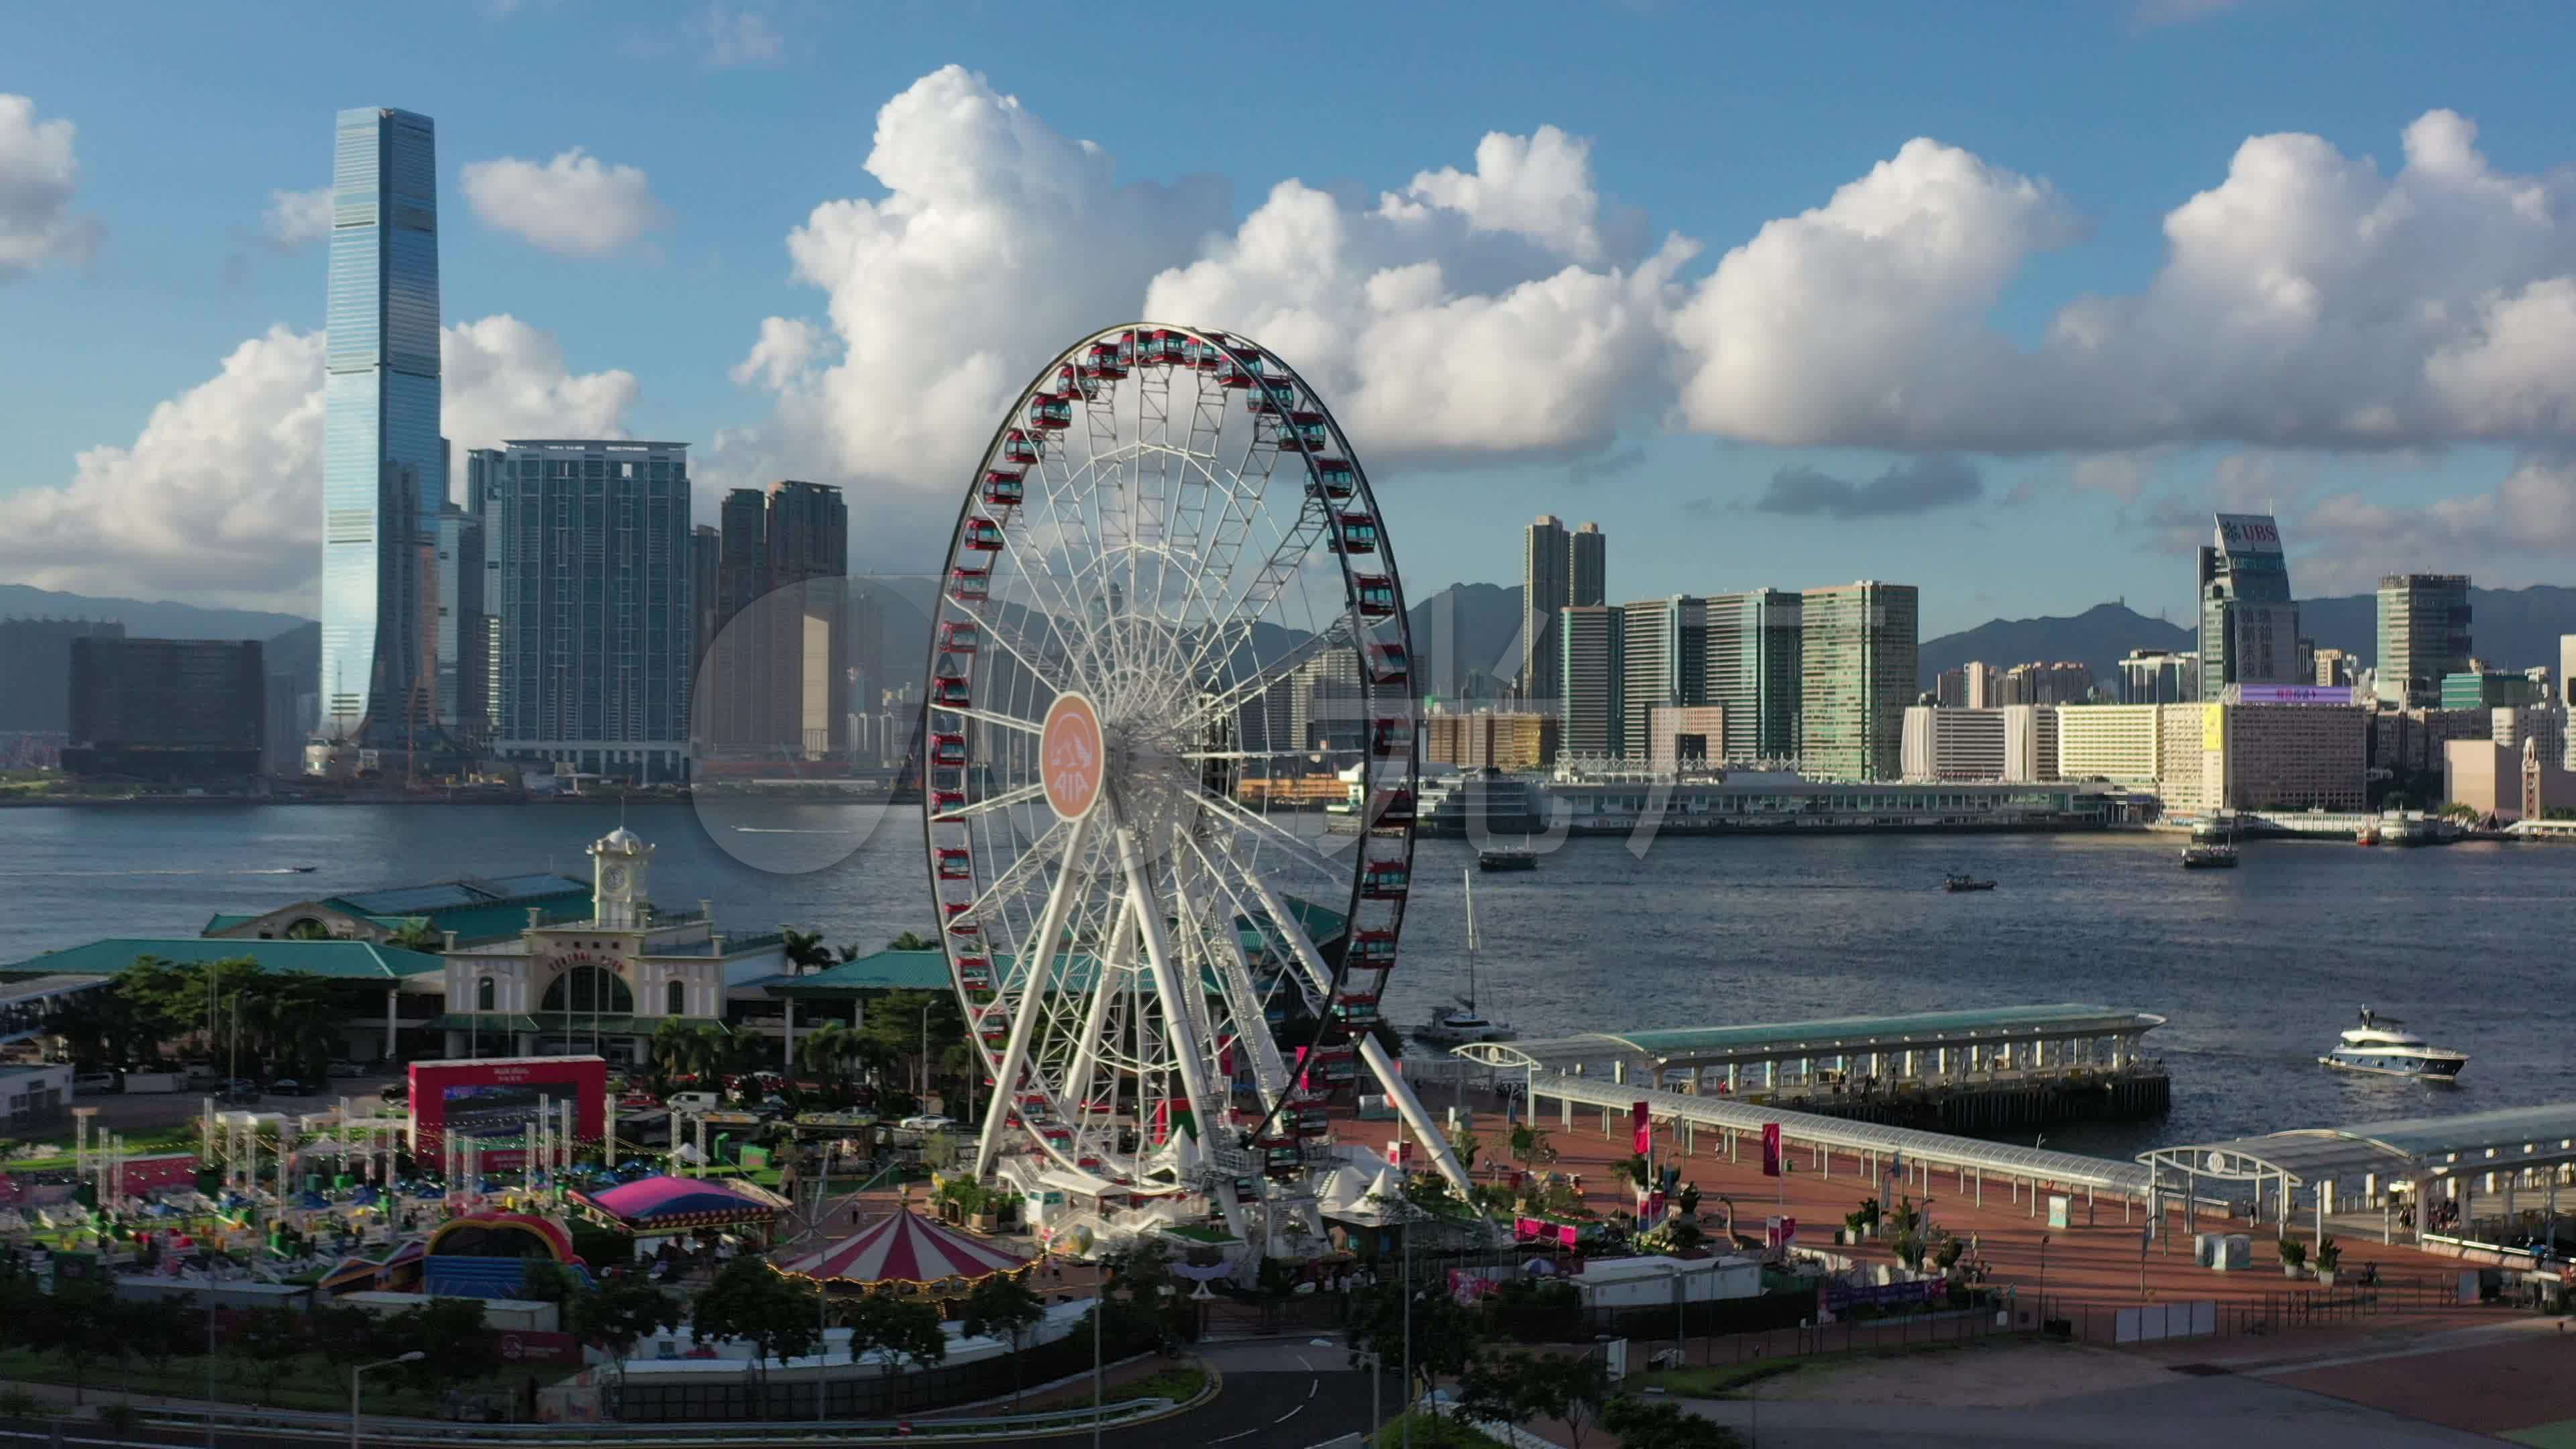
[492, 1101]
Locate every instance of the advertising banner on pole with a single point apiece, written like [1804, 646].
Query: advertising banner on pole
[1645, 1128]
[1770, 1149]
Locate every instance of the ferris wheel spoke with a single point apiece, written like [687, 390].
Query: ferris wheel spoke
[1234, 974]
[990, 803]
[1265, 831]
[998, 720]
[1267, 677]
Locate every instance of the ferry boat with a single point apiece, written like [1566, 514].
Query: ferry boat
[2208, 857]
[2377, 1046]
[1507, 857]
[1957, 883]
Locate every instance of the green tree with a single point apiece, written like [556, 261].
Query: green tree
[620, 1312]
[686, 1049]
[448, 1335]
[1002, 1306]
[82, 1322]
[804, 950]
[1445, 1336]
[754, 1303]
[905, 1331]
[1662, 1424]
[1519, 1387]
[266, 1342]
[910, 941]
[417, 934]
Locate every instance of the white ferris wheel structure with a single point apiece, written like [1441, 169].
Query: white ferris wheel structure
[1170, 627]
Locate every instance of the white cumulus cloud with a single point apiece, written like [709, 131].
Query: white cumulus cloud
[296, 217]
[573, 205]
[2306, 301]
[731, 38]
[38, 176]
[218, 497]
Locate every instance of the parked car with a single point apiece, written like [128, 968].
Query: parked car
[347, 1069]
[97, 1084]
[638, 1101]
[286, 1087]
[692, 1102]
[241, 1089]
[395, 1093]
[927, 1122]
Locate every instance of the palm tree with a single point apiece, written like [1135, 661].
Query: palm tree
[685, 1048]
[911, 941]
[826, 1051]
[804, 949]
[418, 934]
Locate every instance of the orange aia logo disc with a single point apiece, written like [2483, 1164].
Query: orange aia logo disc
[1070, 756]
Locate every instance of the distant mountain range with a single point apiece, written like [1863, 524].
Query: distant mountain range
[146, 620]
[2097, 638]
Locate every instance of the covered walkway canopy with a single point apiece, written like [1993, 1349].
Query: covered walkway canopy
[1702, 1118]
[2368, 1165]
[1912, 1047]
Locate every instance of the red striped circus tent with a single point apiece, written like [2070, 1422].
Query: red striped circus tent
[909, 1254]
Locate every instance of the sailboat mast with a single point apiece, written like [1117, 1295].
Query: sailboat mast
[1468, 877]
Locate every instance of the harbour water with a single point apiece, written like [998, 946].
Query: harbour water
[2257, 968]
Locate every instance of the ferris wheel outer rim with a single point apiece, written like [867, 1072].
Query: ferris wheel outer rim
[1376, 696]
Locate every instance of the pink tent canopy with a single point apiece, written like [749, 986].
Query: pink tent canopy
[905, 1248]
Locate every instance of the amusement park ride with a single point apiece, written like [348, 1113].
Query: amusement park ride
[1169, 577]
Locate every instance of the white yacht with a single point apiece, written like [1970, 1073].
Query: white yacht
[2380, 1045]
[1462, 1024]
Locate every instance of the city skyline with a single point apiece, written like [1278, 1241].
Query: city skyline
[1690, 426]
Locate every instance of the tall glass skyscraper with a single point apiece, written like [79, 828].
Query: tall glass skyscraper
[2249, 623]
[384, 472]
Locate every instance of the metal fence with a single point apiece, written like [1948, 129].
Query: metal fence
[2279, 1311]
[864, 1393]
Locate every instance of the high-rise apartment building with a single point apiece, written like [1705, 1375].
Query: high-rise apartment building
[459, 665]
[1952, 744]
[2249, 624]
[2423, 636]
[384, 471]
[1587, 567]
[482, 487]
[1558, 569]
[1544, 562]
[592, 544]
[2335, 669]
[1752, 671]
[706, 565]
[1857, 675]
[1506, 740]
[2038, 683]
[2159, 676]
[1591, 643]
[1663, 662]
[808, 540]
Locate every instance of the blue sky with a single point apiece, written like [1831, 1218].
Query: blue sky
[1906, 337]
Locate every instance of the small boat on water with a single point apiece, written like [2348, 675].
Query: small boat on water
[1462, 1024]
[2366, 835]
[1507, 857]
[304, 869]
[1957, 883]
[2377, 1046]
[2208, 857]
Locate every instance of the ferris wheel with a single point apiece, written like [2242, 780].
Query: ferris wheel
[1168, 770]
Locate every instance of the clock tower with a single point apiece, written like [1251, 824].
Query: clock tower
[619, 897]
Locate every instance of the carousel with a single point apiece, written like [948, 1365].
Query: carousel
[908, 1255]
[661, 1207]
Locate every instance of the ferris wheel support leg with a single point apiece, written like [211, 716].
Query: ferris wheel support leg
[1034, 981]
[1095, 1017]
[1180, 1022]
[1434, 1141]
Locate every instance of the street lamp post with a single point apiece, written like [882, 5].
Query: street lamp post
[358, 1372]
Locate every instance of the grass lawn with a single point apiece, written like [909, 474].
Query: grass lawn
[308, 1381]
[1430, 1431]
[1717, 1381]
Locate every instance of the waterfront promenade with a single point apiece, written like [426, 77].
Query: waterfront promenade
[2096, 1263]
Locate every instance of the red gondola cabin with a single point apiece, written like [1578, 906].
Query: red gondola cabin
[1375, 595]
[1302, 430]
[949, 691]
[1383, 880]
[1358, 534]
[1395, 807]
[1275, 396]
[1334, 478]
[1387, 664]
[1050, 410]
[1004, 490]
[1373, 950]
[948, 749]
[985, 536]
[943, 801]
[960, 636]
[970, 586]
[1019, 450]
[954, 864]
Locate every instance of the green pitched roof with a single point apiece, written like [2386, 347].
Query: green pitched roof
[334, 960]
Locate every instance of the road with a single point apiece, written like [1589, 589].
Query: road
[1277, 1396]
[2225, 1409]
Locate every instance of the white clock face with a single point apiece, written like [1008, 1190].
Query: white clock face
[613, 879]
